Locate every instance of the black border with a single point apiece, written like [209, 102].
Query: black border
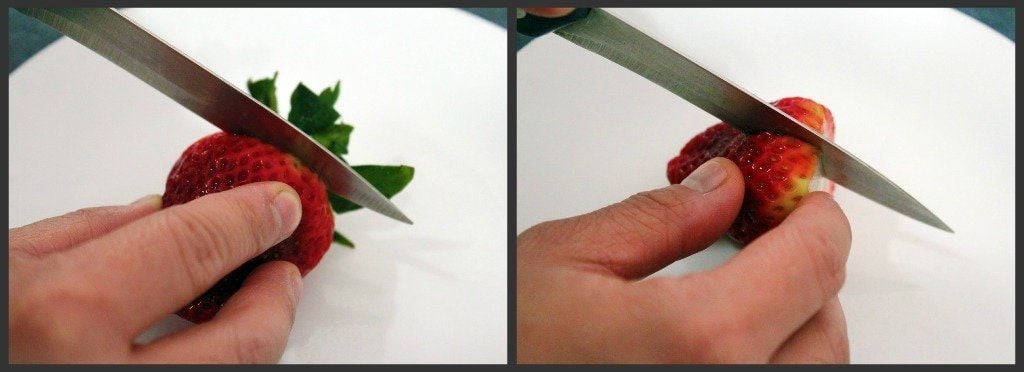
[511, 200]
[512, 69]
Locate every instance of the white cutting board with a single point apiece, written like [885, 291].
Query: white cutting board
[926, 96]
[423, 87]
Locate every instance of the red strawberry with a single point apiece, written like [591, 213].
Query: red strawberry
[778, 170]
[222, 161]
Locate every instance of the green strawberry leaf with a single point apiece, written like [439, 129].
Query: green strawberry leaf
[335, 138]
[264, 90]
[340, 239]
[315, 115]
[310, 112]
[389, 179]
[330, 96]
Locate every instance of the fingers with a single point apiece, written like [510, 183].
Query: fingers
[780, 280]
[168, 258]
[62, 232]
[549, 12]
[252, 327]
[821, 340]
[650, 230]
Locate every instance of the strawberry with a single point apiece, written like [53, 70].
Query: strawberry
[222, 161]
[778, 170]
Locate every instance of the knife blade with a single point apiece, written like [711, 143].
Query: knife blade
[120, 40]
[598, 31]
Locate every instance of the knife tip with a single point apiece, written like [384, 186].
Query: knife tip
[946, 228]
[395, 213]
[934, 221]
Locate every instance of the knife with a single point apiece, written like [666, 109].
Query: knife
[600, 32]
[126, 44]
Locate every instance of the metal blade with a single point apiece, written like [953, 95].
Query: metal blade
[602, 33]
[163, 67]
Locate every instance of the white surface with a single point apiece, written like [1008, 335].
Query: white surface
[926, 96]
[423, 87]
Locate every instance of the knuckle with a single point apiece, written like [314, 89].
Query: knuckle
[658, 198]
[535, 232]
[637, 217]
[828, 264]
[28, 245]
[821, 256]
[659, 205]
[71, 307]
[554, 232]
[533, 239]
[88, 219]
[87, 213]
[259, 229]
[201, 247]
[656, 211]
[642, 218]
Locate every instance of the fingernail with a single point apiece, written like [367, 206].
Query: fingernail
[706, 177]
[296, 287]
[149, 199]
[288, 209]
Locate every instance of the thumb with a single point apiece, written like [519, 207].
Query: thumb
[650, 230]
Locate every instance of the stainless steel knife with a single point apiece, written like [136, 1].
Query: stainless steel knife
[118, 39]
[600, 32]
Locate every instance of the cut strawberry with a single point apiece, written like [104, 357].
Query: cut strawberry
[778, 170]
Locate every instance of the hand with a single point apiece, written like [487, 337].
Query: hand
[84, 285]
[580, 298]
[549, 12]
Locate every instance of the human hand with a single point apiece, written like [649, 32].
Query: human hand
[549, 12]
[580, 298]
[84, 285]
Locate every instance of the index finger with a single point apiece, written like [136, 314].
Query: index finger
[150, 268]
[58, 233]
[779, 281]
